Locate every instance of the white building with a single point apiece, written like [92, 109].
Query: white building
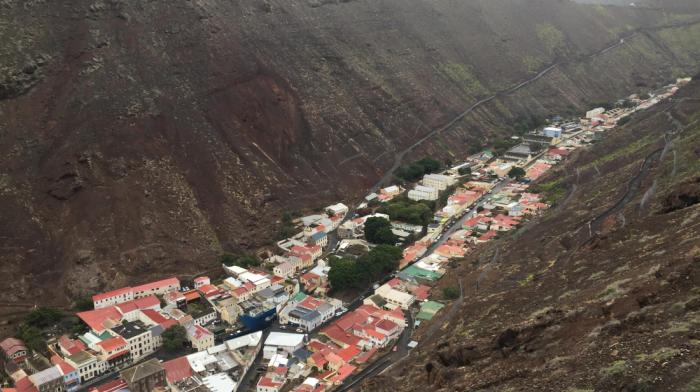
[337, 209]
[201, 338]
[284, 270]
[423, 193]
[112, 298]
[438, 181]
[595, 112]
[551, 131]
[138, 339]
[285, 341]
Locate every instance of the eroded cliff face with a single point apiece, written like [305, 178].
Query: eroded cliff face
[140, 138]
[574, 302]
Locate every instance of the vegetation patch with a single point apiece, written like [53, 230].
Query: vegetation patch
[664, 354]
[612, 291]
[616, 369]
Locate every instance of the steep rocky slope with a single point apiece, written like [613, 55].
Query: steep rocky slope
[140, 138]
[575, 303]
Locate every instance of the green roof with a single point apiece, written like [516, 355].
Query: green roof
[425, 315]
[104, 335]
[431, 305]
[421, 273]
[298, 297]
[487, 152]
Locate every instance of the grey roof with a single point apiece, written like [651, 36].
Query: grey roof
[38, 362]
[431, 225]
[80, 357]
[156, 330]
[302, 354]
[318, 235]
[324, 307]
[276, 287]
[377, 299]
[312, 315]
[406, 278]
[141, 371]
[46, 376]
[266, 293]
[203, 313]
[371, 196]
[129, 330]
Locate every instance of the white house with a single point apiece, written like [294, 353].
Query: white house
[284, 270]
[337, 209]
[438, 181]
[423, 193]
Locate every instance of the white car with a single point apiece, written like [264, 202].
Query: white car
[299, 330]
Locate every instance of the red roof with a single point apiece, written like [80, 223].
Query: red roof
[375, 334]
[489, 234]
[386, 325]
[156, 285]
[276, 280]
[168, 323]
[126, 307]
[155, 316]
[12, 345]
[116, 385]
[112, 344]
[191, 295]
[333, 358]
[95, 318]
[174, 295]
[365, 357]
[349, 353]
[397, 314]
[421, 292]
[19, 359]
[309, 276]
[240, 291]
[201, 279]
[268, 382]
[310, 303]
[147, 302]
[65, 368]
[23, 384]
[198, 332]
[177, 369]
[281, 370]
[334, 332]
[118, 354]
[111, 294]
[343, 373]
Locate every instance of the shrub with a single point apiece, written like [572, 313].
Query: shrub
[450, 292]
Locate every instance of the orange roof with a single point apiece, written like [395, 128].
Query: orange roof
[240, 291]
[201, 279]
[185, 319]
[156, 285]
[206, 288]
[191, 295]
[421, 292]
[334, 332]
[112, 343]
[168, 323]
[349, 353]
[111, 294]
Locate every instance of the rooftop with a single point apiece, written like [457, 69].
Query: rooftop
[138, 372]
[129, 330]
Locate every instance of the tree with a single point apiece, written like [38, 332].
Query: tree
[450, 292]
[344, 275]
[44, 316]
[479, 209]
[32, 338]
[516, 172]
[448, 162]
[384, 236]
[644, 96]
[174, 337]
[372, 225]
[78, 327]
[624, 120]
[464, 171]
[536, 147]
[381, 260]
[84, 304]
[269, 266]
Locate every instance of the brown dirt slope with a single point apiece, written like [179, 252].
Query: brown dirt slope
[139, 139]
[562, 310]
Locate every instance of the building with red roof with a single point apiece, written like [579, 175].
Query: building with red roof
[157, 288]
[201, 281]
[70, 347]
[101, 301]
[349, 353]
[178, 369]
[267, 384]
[71, 376]
[14, 350]
[340, 337]
[117, 385]
[421, 292]
[25, 385]
[95, 318]
[151, 317]
[342, 374]
[114, 350]
[201, 338]
[485, 237]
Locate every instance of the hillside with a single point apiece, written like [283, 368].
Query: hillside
[584, 299]
[140, 139]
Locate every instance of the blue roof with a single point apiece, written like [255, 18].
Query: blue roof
[318, 235]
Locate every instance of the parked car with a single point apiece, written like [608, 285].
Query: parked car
[396, 348]
[490, 191]
[283, 327]
[362, 297]
[299, 330]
